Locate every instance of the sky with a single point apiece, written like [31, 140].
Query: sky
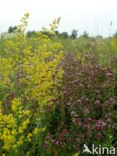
[93, 16]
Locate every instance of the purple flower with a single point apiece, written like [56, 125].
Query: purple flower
[100, 125]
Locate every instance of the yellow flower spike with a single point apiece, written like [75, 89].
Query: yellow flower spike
[29, 136]
[21, 130]
[35, 131]
[27, 112]
[13, 132]
[26, 15]
[15, 147]
[20, 141]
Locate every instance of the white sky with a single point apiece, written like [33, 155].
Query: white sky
[93, 16]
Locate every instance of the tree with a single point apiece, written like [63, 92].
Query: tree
[12, 29]
[85, 34]
[74, 34]
[31, 34]
[64, 35]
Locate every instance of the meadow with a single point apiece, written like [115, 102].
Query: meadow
[57, 93]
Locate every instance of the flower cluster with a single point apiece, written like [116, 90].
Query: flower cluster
[14, 127]
[87, 109]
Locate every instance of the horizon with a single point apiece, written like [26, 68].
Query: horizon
[91, 16]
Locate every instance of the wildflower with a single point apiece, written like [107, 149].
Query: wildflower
[29, 137]
[20, 141]
[35, 131]
[27, 112]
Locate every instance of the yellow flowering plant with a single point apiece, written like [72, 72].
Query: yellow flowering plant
[30, 77]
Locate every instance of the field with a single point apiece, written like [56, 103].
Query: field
[56, 93]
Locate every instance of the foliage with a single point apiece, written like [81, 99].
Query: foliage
[13, 29]
[74, 34]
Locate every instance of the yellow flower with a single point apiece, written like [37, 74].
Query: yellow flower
[20, 141]
[35, 131]
[21, 129]
[29, 136]
[15, 104]
[27, 112]
[15, 146]
[13, 132]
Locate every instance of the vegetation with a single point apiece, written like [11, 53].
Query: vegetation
[57, 92]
